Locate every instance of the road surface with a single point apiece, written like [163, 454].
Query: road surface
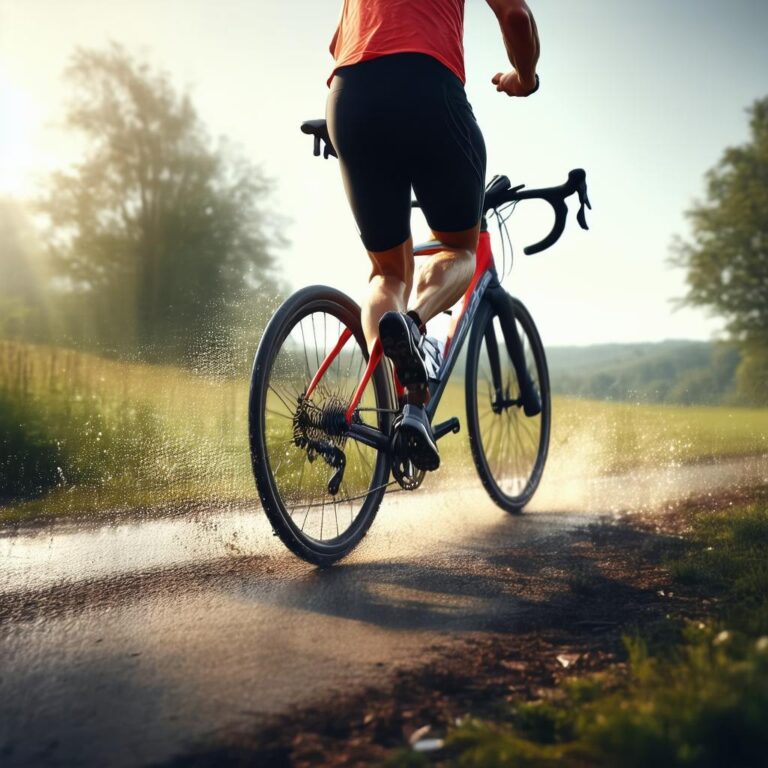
[129, 643]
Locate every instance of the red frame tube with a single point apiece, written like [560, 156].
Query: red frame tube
[373, 361]
[343, 339]
[483, 262]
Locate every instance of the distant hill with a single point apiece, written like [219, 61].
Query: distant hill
[685, 372]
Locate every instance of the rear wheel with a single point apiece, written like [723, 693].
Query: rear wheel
[298, 445]
[509, 448]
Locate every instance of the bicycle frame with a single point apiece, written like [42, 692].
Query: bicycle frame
[484, 283]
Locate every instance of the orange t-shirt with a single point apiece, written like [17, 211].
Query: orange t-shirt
[372, 28]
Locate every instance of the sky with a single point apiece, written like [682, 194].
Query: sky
[644, 95]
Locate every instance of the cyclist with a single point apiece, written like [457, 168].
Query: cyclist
[399, 118]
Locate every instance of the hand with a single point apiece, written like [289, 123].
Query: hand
[513, 85]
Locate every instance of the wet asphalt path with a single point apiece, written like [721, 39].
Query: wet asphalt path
[128, 643]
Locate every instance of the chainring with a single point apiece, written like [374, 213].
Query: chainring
[408, 477]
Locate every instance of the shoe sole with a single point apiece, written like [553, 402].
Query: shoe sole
[418, 449]
[397, 345]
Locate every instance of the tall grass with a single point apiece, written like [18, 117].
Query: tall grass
[121, 430]
[84, 432]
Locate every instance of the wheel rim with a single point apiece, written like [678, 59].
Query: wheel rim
[300, 473]
[510, 441]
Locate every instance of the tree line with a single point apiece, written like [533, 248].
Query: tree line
[673, 372]
[157, 244]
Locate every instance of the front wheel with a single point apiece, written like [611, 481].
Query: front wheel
[508, 403]
[299, 445]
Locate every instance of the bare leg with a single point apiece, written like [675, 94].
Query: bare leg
[446, 276]
[389, 286]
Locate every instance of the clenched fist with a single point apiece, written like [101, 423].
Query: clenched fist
[513, 85]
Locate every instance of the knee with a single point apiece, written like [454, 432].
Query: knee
[390, 284]
[455, 261]
[395, 263]
[466, 256]
[460, 257]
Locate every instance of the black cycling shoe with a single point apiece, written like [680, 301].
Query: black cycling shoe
[417, 437]
[401, 342]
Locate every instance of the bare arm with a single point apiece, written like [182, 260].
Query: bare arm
[521, 38]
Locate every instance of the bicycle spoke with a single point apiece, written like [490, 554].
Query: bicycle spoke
[280, 415]
[362, 456]
[336, 517]
[304, 342]
[301, 478]
[282, 400]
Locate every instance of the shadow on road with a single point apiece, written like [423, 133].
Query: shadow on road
[485, 588]
[490, 585]
[596, 582]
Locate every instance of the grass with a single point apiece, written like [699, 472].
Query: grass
[614, 437]
[730, 556]
[82, 433]
[697, 696]
[126, 434]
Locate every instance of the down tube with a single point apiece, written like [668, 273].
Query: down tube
[471, 304]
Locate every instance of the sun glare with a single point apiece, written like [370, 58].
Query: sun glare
[16, 151]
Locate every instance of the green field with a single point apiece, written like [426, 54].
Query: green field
[105, 434]
[613, 437]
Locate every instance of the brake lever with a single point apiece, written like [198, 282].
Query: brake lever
[316, 150]
[581, 216]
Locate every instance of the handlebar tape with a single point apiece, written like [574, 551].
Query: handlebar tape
[561, 216]
[555, 196]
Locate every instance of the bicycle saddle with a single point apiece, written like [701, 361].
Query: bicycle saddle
[319, 129]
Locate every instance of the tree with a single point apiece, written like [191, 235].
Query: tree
[23, 311]
[156, 236]
[727, 257]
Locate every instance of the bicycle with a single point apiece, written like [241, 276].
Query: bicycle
[322, 409]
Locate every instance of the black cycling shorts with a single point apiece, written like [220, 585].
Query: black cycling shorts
[399, 122]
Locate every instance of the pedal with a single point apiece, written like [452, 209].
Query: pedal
[441, 430]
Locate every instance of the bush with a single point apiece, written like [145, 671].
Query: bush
[29, 455]
[67, 441]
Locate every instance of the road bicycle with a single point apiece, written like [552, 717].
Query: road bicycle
[323, 408]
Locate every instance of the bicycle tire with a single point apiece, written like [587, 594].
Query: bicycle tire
[274, 498]
[531, 466]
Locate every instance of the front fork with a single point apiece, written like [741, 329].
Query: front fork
[503, 307]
